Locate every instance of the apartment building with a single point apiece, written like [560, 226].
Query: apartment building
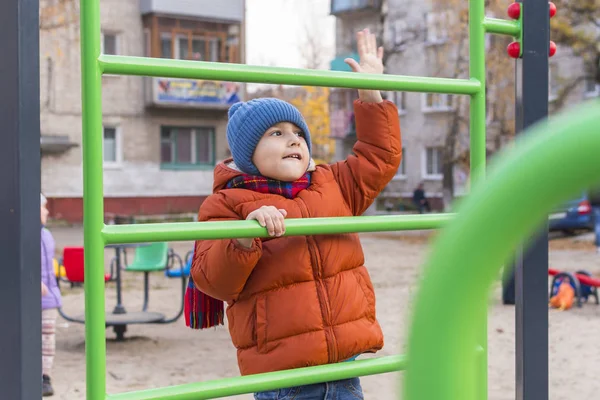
[162, 136]
[412, 33]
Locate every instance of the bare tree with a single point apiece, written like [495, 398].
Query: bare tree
[312, 48]
[449, 59]
[576, 29]
[396, 33]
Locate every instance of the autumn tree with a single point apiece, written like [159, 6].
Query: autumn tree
[575, 28]
[58, 13]
[59, 27]
[313, 103]
[58, 19]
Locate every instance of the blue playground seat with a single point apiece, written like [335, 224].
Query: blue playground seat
[185, 270]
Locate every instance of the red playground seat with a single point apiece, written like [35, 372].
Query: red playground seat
[73, 262]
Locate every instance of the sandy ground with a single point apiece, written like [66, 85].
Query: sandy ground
[164, 355]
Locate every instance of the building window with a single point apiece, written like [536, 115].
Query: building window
[592, 89]
[111, 146]
[436, 27]
[166, 48]
[109, 43]
[433, 163]
[147, 43]
[399, 99]
[434, 102]
[401, 173]
[188, 47]
[193, 39]
[184, 147]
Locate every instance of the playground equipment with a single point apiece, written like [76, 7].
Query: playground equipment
[448, 343]
[581, 281]
[148, 258]
[73, 264]
[97, 235]
[572, 142]
[185, 270]
[157, 257]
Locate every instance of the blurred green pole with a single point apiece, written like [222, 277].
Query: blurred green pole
[478, 161]
[93, 201]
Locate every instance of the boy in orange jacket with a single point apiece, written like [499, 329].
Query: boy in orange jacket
[304, 300]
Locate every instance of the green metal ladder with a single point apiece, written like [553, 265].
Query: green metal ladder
[427, 365]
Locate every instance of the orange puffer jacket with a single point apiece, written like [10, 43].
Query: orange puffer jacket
[304, 300]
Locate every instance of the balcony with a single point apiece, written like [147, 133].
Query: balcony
[191, 93]
[55, 144]
[339, 7]
[341, 124]
[223, 10]
[338, 63]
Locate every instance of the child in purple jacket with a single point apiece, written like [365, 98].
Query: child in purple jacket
[51, 301]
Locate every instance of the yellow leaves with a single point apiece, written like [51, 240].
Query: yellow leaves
[313, 103]
[58, 26]
[561, 26]
[58, 13]
[576, 24]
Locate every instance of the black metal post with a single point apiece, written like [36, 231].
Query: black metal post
[531, 275]
[20, 294]
[119, 308]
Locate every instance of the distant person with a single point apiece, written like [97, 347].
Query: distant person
[389, 205]
[51, 301]
[419, 199]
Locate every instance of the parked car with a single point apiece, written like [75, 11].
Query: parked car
[574, 215]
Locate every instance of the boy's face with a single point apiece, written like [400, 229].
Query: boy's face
[282, 153]
[44, 214]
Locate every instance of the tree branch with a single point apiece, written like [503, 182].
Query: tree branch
[567, 89]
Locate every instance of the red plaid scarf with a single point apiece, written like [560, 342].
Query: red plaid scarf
[262, 184]
[202, 311]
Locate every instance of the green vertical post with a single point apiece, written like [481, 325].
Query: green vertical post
[477, 72]
[93, 221]
[478, 160]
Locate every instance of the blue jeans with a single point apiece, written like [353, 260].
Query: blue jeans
[347, 389]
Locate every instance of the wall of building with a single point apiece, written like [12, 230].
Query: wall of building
[136, 184]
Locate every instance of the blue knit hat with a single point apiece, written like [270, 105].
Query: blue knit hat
[248, 122]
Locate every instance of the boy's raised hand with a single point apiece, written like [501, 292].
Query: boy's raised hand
[371, 62]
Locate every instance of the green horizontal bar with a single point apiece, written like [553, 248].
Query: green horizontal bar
[268, 381]
[184, 231]
[501, 26]
[161, 67]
